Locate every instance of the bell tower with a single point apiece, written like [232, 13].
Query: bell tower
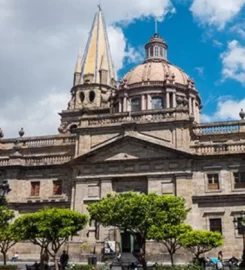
[94, 79]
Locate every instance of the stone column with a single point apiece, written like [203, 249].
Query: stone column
[120, 105]
[125, 104]
[194, 108]
[190, 106]
[174, 100]
[105, 187]
[149, 102]
[167, 100]
[143, 102]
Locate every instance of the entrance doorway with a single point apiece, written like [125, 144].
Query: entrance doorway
[129, 243]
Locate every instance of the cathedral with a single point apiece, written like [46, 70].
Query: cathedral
[142, 133]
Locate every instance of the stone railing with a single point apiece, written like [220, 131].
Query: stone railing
[52, 160]
[4, 162]
[217, 128]
[32, 161]
[126, 117]
[218, 148]
[42, 141]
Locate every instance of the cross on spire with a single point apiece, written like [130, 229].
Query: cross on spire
[99, 5]
[156, 30]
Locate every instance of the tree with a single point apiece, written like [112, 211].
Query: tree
[50, 229]
[201, 241]
[7, 236]
[169, 234]
[137, 213]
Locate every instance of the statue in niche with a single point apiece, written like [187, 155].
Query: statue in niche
[71, 104]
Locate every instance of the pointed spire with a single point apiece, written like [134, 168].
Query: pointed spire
[78, 67]
[97, 52]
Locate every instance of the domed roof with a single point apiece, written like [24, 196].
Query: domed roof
[152, 72]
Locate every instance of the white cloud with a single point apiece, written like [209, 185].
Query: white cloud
[227, 109]
[233, 62]
[239, 28]
[39, 45]
[200, 71]
[216, 12]
[217, 43]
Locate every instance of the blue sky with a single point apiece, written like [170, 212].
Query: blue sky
[40, 41]
[197, 48]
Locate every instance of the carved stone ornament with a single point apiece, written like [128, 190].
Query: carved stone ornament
[1, 133]
[242, 114]
[21, 132]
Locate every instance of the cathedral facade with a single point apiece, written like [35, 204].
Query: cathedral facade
[143, 134]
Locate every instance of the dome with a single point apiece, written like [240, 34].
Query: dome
[154, 72]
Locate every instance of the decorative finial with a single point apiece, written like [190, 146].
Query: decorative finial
[99, 5]
[156, 30]
[1, 133]
[242, 114]
[21, 132]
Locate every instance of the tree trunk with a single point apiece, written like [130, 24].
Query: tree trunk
[171, 258]
[4, 258]
[56, 262]
[143, 253]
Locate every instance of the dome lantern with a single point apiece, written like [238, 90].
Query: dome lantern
[156, 49]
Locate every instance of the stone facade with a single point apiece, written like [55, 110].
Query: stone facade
[143, 135]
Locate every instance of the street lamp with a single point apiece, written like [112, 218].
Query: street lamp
[240, 227]
[4, 190]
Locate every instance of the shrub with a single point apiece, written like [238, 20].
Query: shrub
[9, 266]
[81, 267]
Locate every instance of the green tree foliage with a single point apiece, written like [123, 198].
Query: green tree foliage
[168, 234]
[137, 213]
[201, 241]
[50, 228]
[7, 236]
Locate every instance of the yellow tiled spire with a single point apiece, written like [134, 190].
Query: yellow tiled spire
[97, 55]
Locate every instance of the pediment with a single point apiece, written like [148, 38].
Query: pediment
[130, 148]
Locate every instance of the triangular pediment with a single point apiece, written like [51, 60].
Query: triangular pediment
[130, 148]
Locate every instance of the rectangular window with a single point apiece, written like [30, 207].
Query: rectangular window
[57, 187]
[135, 104]
[213, 181]
[35, 188]
[215, 225]
[239, 179]
[240, 228]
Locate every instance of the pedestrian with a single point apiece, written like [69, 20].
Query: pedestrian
[220, 256]
[15, 257]
[64, 258]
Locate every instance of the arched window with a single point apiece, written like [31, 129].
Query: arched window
[135, 105]
[156, 103]
[156, 51]
[151, 51]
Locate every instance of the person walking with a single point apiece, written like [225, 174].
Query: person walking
[64, 258]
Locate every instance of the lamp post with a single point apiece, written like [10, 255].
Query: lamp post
[4, 190]
[238, 224]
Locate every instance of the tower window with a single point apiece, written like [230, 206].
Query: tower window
[91, 96]
[82, 96]
[73, 129]
[151, 51]
[161, 52]
[156, 103]
[135, 105]
[156, 51]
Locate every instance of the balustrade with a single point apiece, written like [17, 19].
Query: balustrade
[204, 129]
[130, 117]
[219, 148]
